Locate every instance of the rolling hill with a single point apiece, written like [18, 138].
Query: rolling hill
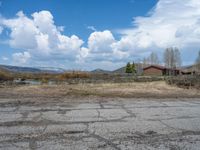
[17, 69]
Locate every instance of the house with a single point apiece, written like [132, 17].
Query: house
[191, 70]
[160, 70]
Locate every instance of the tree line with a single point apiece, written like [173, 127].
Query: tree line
[171, 59]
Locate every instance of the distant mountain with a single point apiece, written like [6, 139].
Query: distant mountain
[120, 70]
[100, 71]
[18, 69]
[52, 69]
[3, 70]
[138, 66]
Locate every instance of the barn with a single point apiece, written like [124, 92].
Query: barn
[157, 70]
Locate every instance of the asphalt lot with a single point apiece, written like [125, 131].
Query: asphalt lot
[169, 124]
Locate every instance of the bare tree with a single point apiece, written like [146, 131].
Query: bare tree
[172, 57]
[167, 57]
[177, 56]
[154, 59]
[145, 62]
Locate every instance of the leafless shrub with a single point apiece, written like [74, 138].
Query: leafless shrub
[192, 81]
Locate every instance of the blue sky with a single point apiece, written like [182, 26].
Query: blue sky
[89, 34]
[76, 15]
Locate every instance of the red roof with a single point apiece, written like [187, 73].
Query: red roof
[155, 66]
[159, 67]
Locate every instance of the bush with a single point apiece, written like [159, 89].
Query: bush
[5, 76]
[73, 75]
[185, 81]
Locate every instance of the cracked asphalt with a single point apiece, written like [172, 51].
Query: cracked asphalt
[104, 123]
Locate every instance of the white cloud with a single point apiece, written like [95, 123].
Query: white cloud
[41, 37]
[23, 32]
[91, 28]
[21, 58]
[42, 41]
[100, 42]
[84, 52]
[101, 48]
[170, 23]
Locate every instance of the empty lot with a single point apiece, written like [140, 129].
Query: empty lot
[157, 89]
[103, 116]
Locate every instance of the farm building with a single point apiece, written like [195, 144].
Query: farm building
[160, 71]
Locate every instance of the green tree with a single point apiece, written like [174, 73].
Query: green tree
[133, 67]
[129, 68]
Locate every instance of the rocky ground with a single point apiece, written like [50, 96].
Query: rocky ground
[99, 123]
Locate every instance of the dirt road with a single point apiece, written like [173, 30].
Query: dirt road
[102, 123]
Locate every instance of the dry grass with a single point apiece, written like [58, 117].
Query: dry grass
[5, 76]
[157, 89]
[72, 75]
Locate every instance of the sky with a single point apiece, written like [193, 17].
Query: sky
[90, 34]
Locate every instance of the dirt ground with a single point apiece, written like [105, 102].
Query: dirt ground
[157, 89]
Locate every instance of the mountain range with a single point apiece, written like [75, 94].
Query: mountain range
[17, 69]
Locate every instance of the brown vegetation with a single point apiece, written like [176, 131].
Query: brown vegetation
[5, 76]
[192, 81]
[72, 75]
[43, 77]
[158, 89]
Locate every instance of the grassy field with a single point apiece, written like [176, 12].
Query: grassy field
[158, 89]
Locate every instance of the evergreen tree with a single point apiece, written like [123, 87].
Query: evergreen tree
[129, 68]
[133, 67]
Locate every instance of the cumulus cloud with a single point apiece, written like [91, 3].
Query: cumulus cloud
[101, 48]
[21, 58]
[100, 42]
[170, 23]
[40, 36]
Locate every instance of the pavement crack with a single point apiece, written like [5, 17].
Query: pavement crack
[106, 141]
[101, 105]
[165, 124]
[131, 114]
